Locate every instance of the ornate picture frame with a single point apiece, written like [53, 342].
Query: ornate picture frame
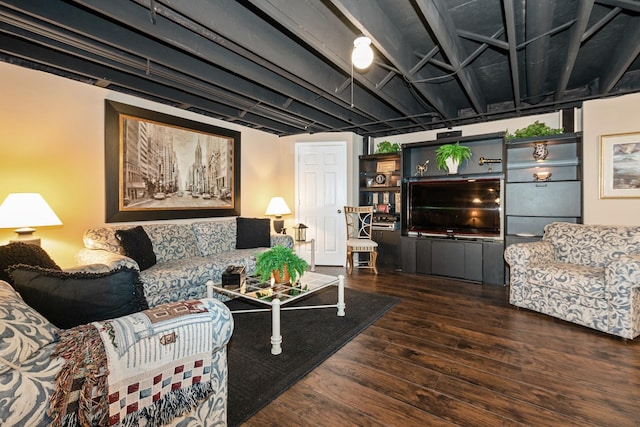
[620, 166]
[162, 167]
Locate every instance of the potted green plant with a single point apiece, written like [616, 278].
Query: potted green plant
[280, 262]
[387, 147]
[535, 129]
[449, 156]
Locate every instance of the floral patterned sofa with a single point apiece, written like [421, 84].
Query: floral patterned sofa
[187, 254]
[166, 381]
[585, 274]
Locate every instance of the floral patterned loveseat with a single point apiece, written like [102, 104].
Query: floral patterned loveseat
[585, 274]
[174, 381]
[187, 254]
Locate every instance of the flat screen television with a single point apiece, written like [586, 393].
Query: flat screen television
[456, 208]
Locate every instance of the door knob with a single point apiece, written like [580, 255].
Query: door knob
[339, 211]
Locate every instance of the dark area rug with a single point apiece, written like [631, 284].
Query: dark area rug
[256, 377]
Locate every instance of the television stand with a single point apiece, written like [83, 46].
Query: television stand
[467, 259]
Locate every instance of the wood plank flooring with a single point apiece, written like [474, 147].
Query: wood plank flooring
[456, 353]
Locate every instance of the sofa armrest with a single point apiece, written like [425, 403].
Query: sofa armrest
[282, 240]
[194, 318]
[622, 291]
[527, 254]
[110, 259]
[223, 321]
[621, 276]
[520, 257]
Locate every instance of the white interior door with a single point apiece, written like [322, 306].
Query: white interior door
[321, 193]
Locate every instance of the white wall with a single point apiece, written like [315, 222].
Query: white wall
[606, 117]
[553, 120]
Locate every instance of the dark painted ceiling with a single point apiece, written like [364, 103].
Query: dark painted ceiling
[283, 66]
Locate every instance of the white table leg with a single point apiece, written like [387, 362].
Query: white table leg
[341, 304]
[276, 338]
[313, 254]
[209, 289]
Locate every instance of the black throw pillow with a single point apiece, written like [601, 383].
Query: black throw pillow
[252, 233]
[70, 299]
[23, 253]
[137, 245]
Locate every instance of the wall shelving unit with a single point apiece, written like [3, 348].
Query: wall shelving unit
[532, 203]
[379, 186]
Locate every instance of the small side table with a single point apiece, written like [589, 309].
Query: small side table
[312, 266]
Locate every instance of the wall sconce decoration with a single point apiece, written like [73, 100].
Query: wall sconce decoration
[362, 55]
[540, 151]
[421, 169]
[278, 207]
[300, 233]
[23, 211]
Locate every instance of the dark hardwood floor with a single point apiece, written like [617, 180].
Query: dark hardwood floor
[456, 353]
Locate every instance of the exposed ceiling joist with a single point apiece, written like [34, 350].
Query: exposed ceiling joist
[437, 15]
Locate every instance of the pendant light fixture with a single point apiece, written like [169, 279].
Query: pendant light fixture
[362, 55]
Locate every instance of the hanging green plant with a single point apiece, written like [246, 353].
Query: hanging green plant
[534, 129]
[386, 147]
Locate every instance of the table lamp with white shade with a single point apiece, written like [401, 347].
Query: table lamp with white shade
[23, 211]
[278, 207]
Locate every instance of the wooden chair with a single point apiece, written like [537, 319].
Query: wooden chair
[359, 219]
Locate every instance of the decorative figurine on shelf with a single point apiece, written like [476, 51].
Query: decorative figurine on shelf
[422, 168]
[540, 151]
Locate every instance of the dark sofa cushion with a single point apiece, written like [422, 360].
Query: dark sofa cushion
[71, 299]
[138, 246]
[23, 253]
[252, 233]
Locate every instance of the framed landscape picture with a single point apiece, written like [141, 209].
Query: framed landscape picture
[620, 166]
[164, 167]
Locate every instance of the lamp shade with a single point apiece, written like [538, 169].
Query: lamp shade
[362, 55]
[278, 207]
[23, 211]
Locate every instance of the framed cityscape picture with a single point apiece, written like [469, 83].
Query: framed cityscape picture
[165, 167]
[620, 166]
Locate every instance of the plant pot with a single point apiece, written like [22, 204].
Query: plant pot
[281, 279]
[452, 165]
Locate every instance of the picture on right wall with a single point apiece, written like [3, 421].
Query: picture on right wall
[620, 166]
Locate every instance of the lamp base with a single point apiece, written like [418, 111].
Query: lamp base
[25, 235]
[278, 225]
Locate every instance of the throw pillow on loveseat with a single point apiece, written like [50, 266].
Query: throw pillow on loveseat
[72, 298]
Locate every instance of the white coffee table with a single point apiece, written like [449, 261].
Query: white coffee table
[277, 299]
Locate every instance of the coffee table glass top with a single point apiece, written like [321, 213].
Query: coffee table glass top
[265, 292]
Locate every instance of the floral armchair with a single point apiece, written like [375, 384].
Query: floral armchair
[585, 274]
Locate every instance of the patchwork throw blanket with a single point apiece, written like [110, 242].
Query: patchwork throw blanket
[153, 365]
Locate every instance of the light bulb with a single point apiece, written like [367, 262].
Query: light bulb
[362, 55]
